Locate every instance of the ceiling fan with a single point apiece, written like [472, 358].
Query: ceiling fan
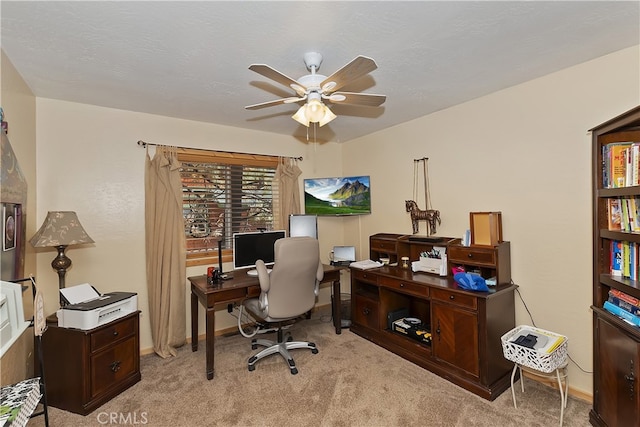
[315, 88]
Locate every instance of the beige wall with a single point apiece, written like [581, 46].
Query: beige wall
[89, 162]
[19, 106]
[524, 151]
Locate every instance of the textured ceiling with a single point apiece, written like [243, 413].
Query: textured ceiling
[190, 59]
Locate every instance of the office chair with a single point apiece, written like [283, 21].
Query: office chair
[287, 292]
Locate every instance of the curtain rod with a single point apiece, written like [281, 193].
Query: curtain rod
[143, 144]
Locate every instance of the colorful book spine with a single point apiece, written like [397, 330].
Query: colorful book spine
[614, 216]
[622, 313]
[625, 297]
[633, 309]
[618, 164]
[616, 258]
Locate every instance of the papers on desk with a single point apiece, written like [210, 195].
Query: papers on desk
[80, 293]
[366, 264]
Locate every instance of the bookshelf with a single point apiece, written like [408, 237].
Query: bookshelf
[616, 342]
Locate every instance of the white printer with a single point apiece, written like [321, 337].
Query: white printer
[86, 308]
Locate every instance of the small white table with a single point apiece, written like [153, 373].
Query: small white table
[549, 362]
[560, 374]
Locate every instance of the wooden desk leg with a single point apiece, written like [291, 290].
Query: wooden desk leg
[337, 307]
[194, 322]
[211, 329]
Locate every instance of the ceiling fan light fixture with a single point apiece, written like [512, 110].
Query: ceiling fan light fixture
[314, 110]
[300, 116]
[328, 116]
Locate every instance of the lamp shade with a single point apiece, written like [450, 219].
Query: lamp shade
[314, 111]
[60, 228]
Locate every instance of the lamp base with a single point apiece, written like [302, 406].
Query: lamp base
[61, 263]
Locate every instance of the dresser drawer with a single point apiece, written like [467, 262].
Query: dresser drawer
[364, 276]
[404, 286]
[112, 333]
[111, 366]
[365, 312]
[472, 255]
[456, 298]
[382, 245]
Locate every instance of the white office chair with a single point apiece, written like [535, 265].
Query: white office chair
[288, 292]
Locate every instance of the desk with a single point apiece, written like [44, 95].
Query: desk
[241, 286]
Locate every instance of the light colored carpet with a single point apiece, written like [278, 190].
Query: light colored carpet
[350, 382]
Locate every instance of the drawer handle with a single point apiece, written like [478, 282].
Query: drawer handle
[115, 366]
[115, 333]
[470, 255]
[402, 285]
[366, 311]
[451, 297]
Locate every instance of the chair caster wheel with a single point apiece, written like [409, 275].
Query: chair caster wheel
[314, 351]
[251, 368]
[294, 371]
[254, 346]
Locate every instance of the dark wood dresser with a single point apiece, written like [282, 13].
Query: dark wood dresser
[85, 369]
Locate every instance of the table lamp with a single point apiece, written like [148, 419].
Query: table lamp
[59, 230]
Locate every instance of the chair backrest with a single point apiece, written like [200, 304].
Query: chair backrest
[293, 283]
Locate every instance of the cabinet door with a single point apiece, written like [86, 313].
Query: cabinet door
[616, 380]
[455, 337]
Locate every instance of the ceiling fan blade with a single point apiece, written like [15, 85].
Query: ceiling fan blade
[276, 102]
[368, 99]
[355, 69]
[274, 74]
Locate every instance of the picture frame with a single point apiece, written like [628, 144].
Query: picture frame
[9, 225]
[486, 228]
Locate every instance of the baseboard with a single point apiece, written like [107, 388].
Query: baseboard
[549, 382]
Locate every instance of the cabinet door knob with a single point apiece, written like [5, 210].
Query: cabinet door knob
[366, 311]
[115, 366]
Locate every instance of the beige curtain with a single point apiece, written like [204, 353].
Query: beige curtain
[288, 189]
[165, 251]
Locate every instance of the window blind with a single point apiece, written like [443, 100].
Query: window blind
[222, 194]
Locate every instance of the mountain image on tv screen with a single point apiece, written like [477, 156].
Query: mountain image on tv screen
[349, 195]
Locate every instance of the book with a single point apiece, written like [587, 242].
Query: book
[633, 309]
[616, 258]
[635, 163]
[17, 402]
[622, 313]
[614, 216]
[625, 297]
[617, 165]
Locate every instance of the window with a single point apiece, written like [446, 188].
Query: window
[224, 193]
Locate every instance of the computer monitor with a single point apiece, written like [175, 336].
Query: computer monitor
[252, 246]
[303, 225]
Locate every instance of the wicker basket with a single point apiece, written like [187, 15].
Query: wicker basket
[539, 360]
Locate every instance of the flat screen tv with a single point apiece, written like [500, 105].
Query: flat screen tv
[252, 246]
[348, 195]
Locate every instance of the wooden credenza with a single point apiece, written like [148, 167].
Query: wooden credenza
[465, 326]
[85, 369]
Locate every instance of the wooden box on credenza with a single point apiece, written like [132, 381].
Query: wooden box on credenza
[85, 369]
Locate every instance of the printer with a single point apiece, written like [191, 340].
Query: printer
[85, 308]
